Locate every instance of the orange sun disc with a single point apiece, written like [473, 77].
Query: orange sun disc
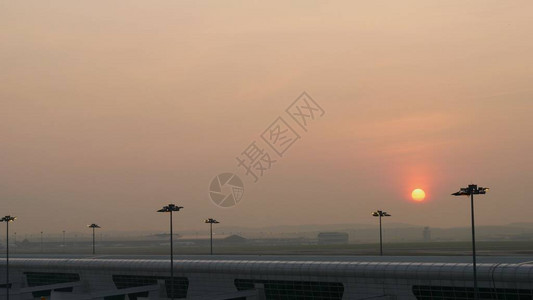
[418, 195]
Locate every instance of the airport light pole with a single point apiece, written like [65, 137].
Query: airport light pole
[93, 226]
[380, 213]
[64, 246]
[472, 190]
[171, 208]
[41, 242]
[7, 219]
[211, 221]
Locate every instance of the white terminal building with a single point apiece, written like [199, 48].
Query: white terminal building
[243, 278]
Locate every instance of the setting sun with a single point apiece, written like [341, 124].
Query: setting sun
[418, 195]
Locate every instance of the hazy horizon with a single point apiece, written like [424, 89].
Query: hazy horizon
[108, 111]
[302, 228]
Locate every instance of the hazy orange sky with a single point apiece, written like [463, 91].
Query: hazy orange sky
[109, 110]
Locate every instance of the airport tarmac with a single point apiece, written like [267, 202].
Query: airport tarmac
[429, 259]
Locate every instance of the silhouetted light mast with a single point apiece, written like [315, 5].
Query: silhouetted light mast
[93, 226]
[7, 219]
[380, 213]
[472, 190]
[171, 208]
[211, 221]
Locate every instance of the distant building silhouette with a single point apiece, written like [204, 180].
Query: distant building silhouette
[426, 234]
[332, 238]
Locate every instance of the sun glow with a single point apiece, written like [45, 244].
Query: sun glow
[418, 195]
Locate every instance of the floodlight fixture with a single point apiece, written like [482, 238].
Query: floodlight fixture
[380, 214]
[211, 221]
[171, 208]
[93, 226]
[471, 190]
[7, 219]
